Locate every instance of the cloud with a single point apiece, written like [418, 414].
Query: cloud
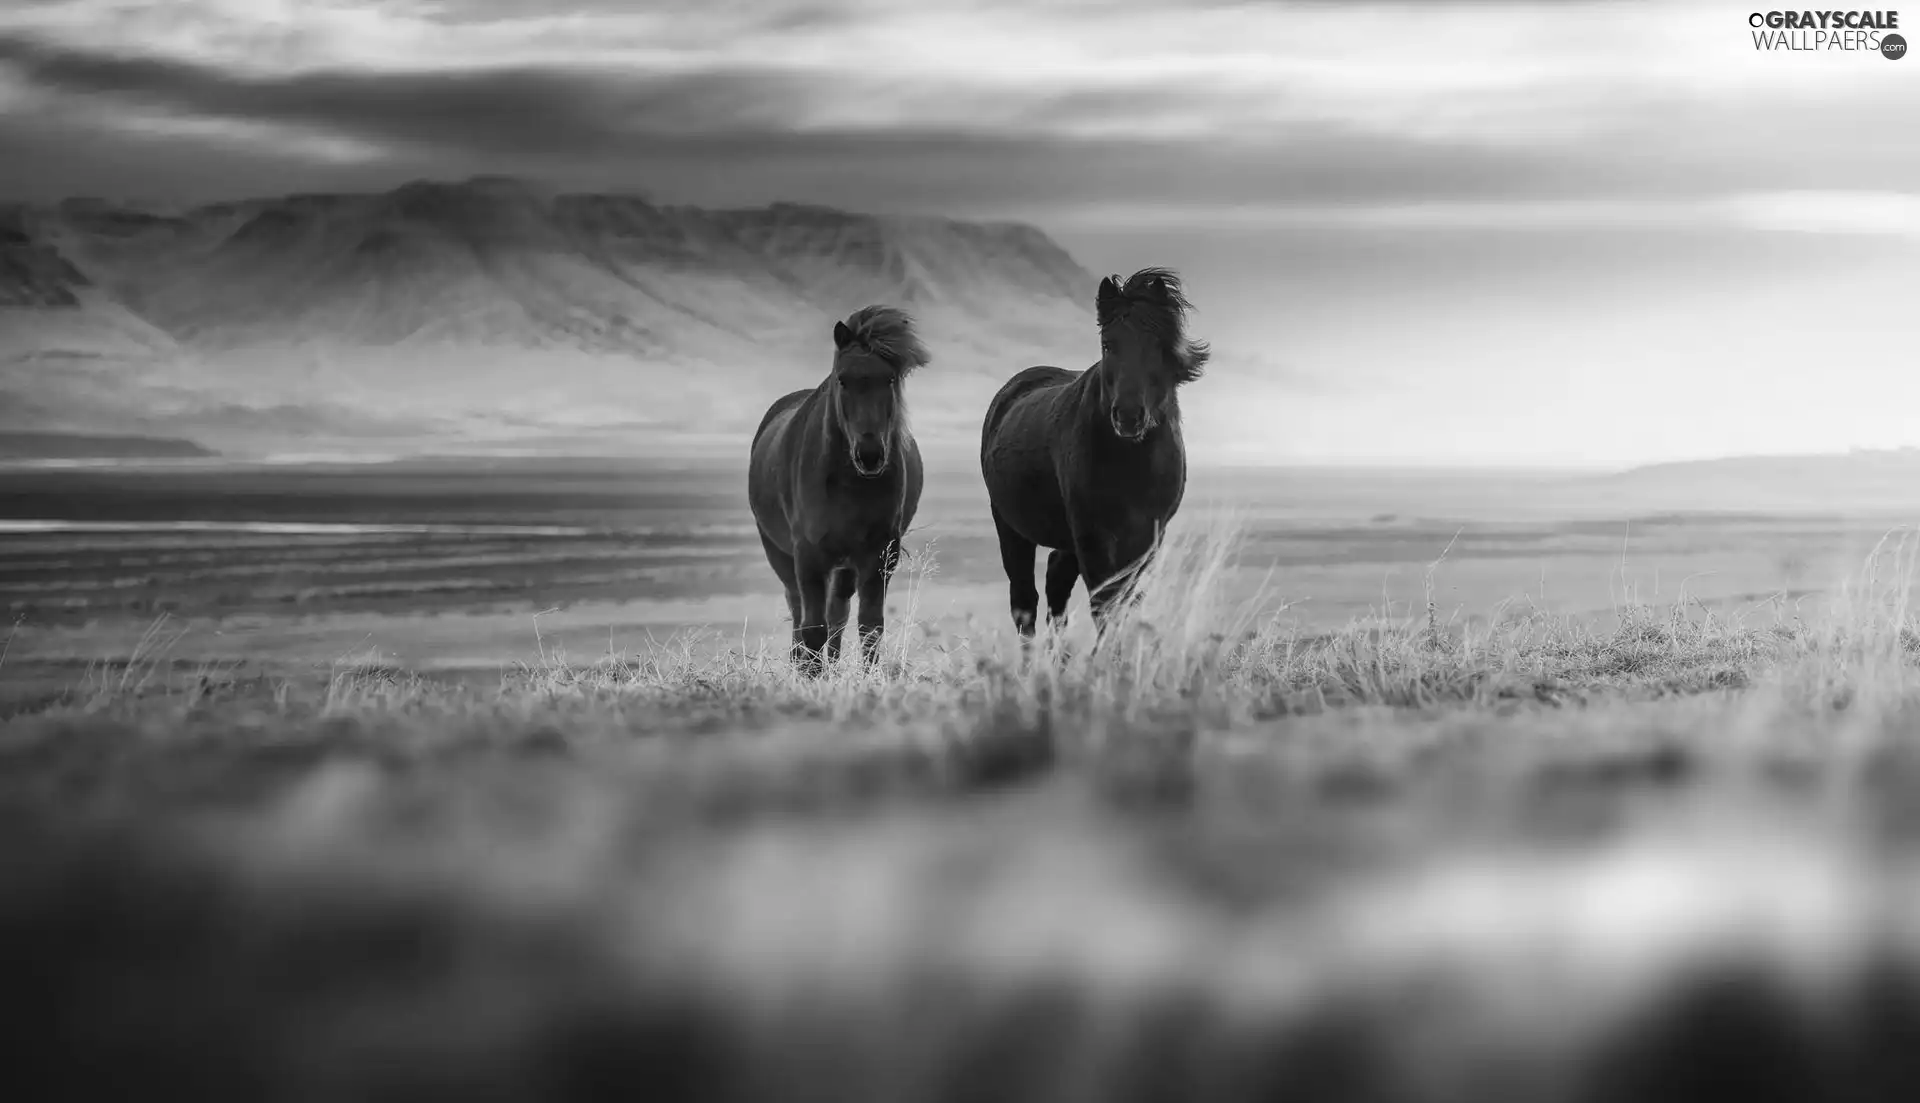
[514, 110]
[1889, 215]
[969, 107]
[694, 127]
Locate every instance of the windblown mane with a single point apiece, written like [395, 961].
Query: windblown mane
[887, 332]
[1154, 300]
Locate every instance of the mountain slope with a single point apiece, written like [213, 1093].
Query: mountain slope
[492, 310]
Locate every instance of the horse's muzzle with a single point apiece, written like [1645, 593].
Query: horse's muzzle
[1132, 432]
[870, 462]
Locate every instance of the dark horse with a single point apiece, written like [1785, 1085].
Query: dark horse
[1090, 463]
[834, 481]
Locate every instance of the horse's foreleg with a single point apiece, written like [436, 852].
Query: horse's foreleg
[799, 619]
[1117, 593]
[812, 631]
[1111, 583]
[1101, 596]
[839, 601]
[1016, 557]
[873, 602]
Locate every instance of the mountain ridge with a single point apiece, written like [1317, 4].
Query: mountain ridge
[495, 309]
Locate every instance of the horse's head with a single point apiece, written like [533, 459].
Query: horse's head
[875, 350]
[1145, 353]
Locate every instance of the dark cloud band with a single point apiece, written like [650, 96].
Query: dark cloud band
[745, 136]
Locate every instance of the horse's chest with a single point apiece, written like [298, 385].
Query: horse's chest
[1145, 483]
[856, 536]
[852, 522]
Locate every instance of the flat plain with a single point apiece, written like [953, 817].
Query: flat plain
[445, 565]
[489, 779]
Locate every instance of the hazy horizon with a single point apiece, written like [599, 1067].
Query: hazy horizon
[1558, 235]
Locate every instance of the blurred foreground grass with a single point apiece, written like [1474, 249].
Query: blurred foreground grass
[1210, 858]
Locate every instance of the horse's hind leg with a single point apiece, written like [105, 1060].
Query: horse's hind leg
[840, 585]
[1063, 570]
[1016, 556]
[783, 569]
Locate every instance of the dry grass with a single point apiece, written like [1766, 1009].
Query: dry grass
[1192, 645]
[1209, 856]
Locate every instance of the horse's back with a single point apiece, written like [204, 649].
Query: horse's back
[1015, 392]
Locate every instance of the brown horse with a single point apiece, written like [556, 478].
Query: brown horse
[1091, 463]
[834, 480]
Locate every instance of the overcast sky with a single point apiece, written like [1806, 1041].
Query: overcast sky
[1495, 232]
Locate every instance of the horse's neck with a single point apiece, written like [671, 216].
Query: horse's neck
[826, 422]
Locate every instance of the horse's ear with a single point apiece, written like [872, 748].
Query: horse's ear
[1108, 295]
[842, 336]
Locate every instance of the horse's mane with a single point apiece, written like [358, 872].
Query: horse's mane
[887, 332]
[1155, 300]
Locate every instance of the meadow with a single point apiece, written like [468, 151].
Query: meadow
[492, 781]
